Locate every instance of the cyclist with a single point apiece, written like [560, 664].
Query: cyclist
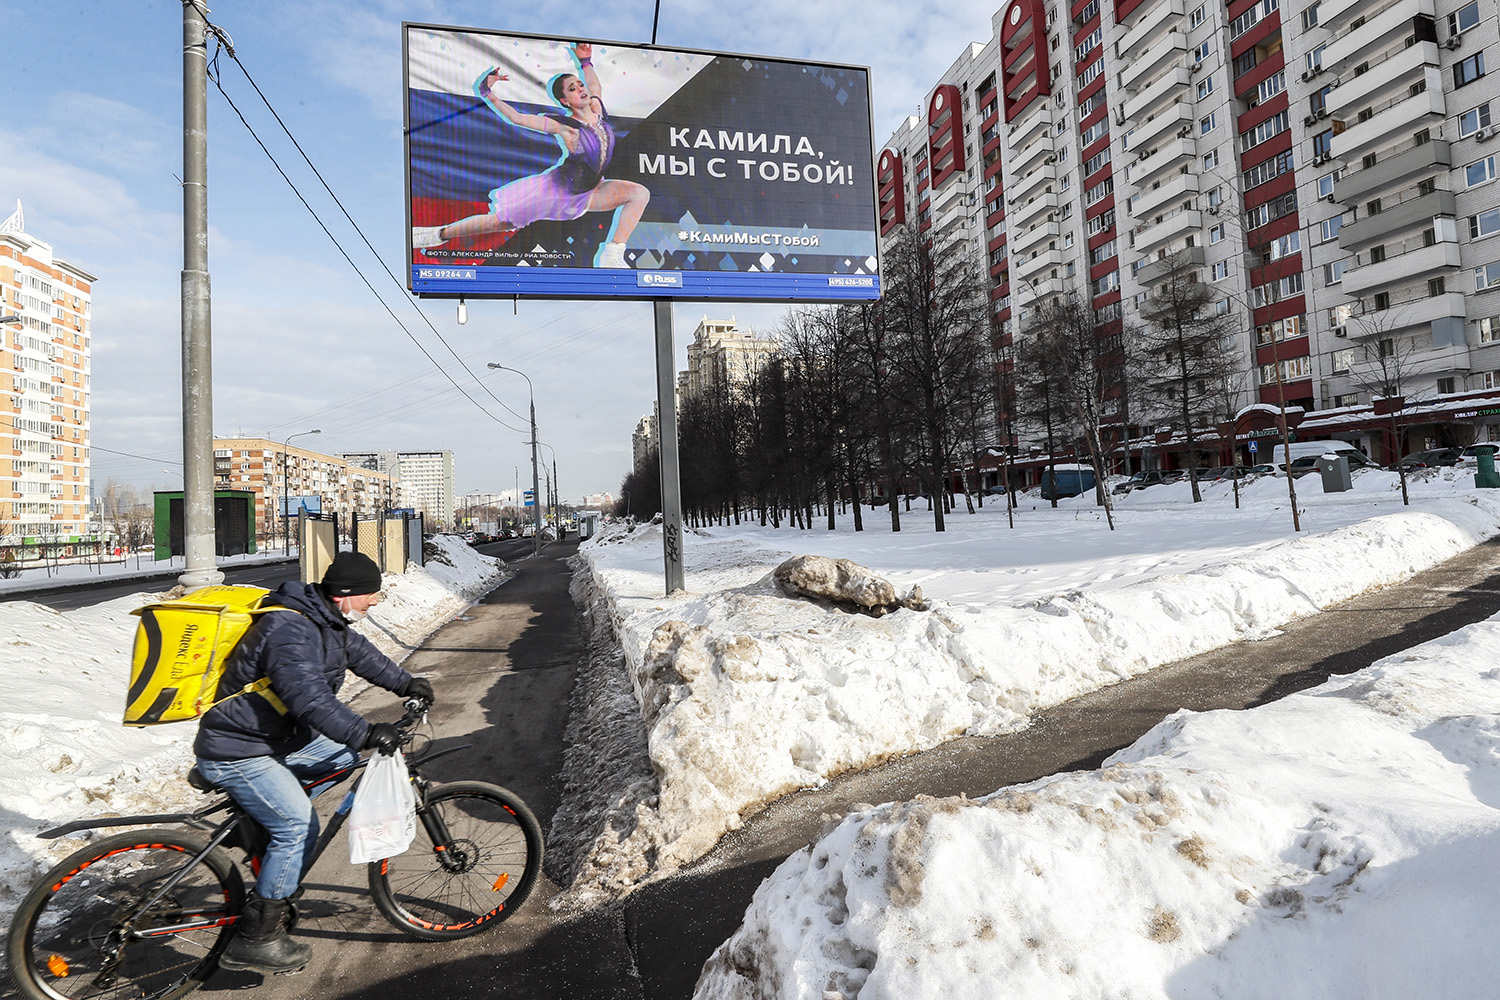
[260, 749]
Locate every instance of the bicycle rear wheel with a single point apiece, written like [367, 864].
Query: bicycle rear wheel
[79, 933]
[486, 868]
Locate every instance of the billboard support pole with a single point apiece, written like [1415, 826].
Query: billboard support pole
[671, 484]
[197, 369]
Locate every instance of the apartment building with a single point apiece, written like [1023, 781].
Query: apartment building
[723, 353]
[644, 440]
[1328, 167]
[44, 389]
[426, 477]
[273, 470]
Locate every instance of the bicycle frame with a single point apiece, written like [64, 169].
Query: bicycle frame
[431, 821]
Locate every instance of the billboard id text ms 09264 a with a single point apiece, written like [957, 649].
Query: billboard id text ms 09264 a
[564, 168]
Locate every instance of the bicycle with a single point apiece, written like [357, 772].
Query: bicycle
[145, 915]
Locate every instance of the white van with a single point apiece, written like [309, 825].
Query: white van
[1275, 455]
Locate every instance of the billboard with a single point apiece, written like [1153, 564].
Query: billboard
[566, 168]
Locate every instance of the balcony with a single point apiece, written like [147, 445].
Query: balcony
[1159, 269]
[1025, 242]
[1169, 50]
[1177, 117]
[1403, 117]
[1167, 157]
[1377, 31]
[1398, 72]
[1029, 127]
[1021, 216]
[1404, 268]
[1172, 190]
[1035, 265]
[1148, 28]
[1418, 313]
[1029, 293]
[1021, 188]
[1417, 211]
[1356, 187]
[1168, 88]
[1023, 159]
[1147, 238]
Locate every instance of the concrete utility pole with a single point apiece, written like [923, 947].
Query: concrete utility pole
[536, 493]
[671, 483]
[197, 362]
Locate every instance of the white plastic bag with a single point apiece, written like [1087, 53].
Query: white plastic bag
[383, 819]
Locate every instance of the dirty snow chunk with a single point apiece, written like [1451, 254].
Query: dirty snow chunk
[1336, 844]
[842, 581]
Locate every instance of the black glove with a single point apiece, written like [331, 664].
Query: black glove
[383, 738]
[419, 687]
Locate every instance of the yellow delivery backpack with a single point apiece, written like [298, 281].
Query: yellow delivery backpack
[180, 650]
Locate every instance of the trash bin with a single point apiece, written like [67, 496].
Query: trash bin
[1335, 472]
[1486, 478]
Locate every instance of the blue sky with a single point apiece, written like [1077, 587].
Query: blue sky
[91, 144]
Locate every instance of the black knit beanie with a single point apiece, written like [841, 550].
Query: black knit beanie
[350, 574]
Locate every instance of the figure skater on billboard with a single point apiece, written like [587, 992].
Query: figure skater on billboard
[571, 187]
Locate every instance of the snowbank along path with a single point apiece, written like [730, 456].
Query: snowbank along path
[746, 695]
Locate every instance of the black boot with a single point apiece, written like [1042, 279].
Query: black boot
[261, 941]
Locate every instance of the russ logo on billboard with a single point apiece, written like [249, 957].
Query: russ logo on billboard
[553, 167]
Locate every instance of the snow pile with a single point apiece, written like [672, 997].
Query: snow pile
[65, 674]
[747, 695]
[1333, 844]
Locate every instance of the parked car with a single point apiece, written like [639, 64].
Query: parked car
[1174, 476]
[1266, 469]
[1223, 473]
[1432, 459]
[1309, 463]
[1139, 481]
[1470, 455]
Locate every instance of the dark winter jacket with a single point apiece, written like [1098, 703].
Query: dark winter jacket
[305, 655]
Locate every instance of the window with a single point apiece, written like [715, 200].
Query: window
[1315, 57]
[1340, 315]
[1219, 271]
[1325, 185]
[1067, 211]
[1273, 85]
[1481, 172]
[1202, 51]
[1245, 63]
[1487, 277]
[1334, 273]
[1089, 44]
[1096, 162]
[1382, 300]
[1464, 18]
[1108, 283]
[1377, 255]
[1484, 224]
[1208, 124]
[1489, 329]
[1435, 286]
[1342, 361]
[1293, 368]
[1094, 132]
[1262, 172]
[1426, 186]
[1445, 386]
[1386, 347]
[1272, 126]
[1088, 75]
[1216, 234]
[1310, 17]
[1101, 222]
[1102, 253]
[1468, 70]
[1323, 143]
[1201, 13]
[1372, 207]
[1067, 240]
[1473, 120]
[1210, 160]
[1221, 307]
[1205, 87]
[1275, 291]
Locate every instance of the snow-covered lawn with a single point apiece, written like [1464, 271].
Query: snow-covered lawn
[65, 674]
[747, 694]
[1340, 844]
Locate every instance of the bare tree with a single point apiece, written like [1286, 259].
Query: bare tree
[1068, 335]
[1384, 369]
[1187, 347]
[936, 302]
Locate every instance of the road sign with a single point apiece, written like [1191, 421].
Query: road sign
[1253, 447]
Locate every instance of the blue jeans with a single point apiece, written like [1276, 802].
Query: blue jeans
[270, 790]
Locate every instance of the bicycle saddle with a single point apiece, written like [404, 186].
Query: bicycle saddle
[197, 779]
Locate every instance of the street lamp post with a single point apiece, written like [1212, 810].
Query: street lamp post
[536, 494]
[286, 520]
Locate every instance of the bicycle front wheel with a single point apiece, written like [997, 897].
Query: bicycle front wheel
[476, 857]
[87, 931]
